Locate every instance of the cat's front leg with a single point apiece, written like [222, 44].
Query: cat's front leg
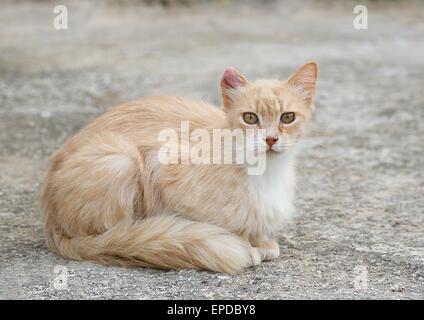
[268, 248]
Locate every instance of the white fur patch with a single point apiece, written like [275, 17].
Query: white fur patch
[119, 163]
[274, 191]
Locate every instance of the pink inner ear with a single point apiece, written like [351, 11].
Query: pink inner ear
[232, 79]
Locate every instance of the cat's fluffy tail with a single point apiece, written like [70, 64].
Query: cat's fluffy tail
[166, 241]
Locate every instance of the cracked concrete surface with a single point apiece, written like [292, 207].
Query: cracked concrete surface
[361, 180]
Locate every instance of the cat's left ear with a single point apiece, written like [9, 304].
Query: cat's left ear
[231, 81]
[303, 82]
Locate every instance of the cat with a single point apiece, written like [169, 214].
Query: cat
[108, 198]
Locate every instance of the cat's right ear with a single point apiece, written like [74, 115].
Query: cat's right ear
[231, 81]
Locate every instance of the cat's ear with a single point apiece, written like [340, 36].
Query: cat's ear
[231, 81]
[303, 82]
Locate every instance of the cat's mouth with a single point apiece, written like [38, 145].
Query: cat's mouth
[271, 151]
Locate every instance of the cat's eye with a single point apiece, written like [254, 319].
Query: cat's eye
[250, 118]
[288, 117]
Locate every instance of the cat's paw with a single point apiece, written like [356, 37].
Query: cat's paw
[268, 249]
[256, 256]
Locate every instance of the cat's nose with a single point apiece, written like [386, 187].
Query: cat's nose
[271, 140]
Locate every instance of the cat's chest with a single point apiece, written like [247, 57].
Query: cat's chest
[273, 191]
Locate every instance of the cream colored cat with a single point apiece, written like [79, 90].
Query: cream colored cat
[109, 199]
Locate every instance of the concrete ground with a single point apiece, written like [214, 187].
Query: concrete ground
[360, 228]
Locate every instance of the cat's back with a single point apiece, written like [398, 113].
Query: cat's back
[140, 121]
[157, 113]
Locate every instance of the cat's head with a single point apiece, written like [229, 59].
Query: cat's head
[281, 108]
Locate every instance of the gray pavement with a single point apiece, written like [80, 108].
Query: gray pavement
[360, 226]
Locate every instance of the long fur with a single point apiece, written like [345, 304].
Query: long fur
[107, 197]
